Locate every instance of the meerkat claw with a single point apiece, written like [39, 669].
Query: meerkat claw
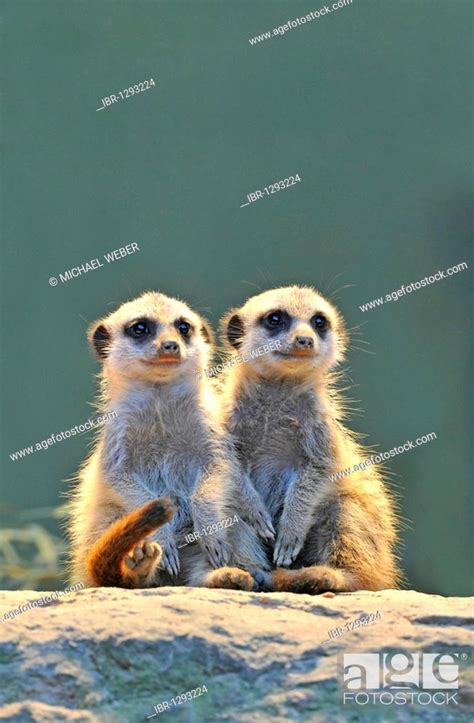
[264, 526]
[284, 555]
[170, 561]
[268, 533]
[218, 552]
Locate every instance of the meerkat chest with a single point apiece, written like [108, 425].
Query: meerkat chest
[272, 427]
[166, 441]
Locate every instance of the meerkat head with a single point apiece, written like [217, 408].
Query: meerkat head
[307, 332]
[153, 338]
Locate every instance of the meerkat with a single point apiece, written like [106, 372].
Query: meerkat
[162, 466]
[283, 410]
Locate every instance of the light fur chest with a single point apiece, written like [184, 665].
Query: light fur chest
[162, 439]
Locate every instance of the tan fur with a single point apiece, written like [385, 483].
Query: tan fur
[165, 440]
[107, 562]
[285, 416]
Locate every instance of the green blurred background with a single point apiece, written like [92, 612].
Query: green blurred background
[370, 105]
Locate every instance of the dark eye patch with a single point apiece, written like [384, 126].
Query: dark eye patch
[184, 327]
[320, 323]
[276, 321]
[140, 329]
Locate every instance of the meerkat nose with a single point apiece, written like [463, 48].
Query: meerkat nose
[304, 342]
[169, 347]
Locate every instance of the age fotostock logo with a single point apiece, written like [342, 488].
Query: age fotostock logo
[400, 678]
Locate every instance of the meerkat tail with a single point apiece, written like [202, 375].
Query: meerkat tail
[104, 562]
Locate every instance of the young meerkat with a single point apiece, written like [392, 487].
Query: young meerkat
[284, 414]
[164, 441]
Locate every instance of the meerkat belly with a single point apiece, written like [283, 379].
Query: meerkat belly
[272, 430]
[168, 450]
[272, 457]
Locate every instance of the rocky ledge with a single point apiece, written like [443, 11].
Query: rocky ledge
[218, 655]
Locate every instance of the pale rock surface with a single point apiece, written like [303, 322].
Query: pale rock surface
[112, 655]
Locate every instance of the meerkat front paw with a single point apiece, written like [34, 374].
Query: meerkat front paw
[263, 524]
[287, 546]
[232, 578]
[142, 561]
[217, 550]
[170, 560]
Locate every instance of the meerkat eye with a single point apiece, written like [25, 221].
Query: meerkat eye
[320, 322]
[138, 329]
[183, 327]
[275, 319]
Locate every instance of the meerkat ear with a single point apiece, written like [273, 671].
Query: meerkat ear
[99, 338]
[234, 329]
[207, 332]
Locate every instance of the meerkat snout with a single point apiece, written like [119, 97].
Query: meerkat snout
[304, 342]
[309, 331]
[166, 351]
[170, 348]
